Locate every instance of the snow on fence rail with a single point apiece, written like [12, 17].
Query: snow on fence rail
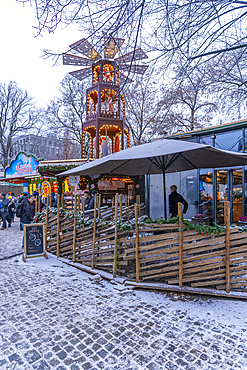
[166, 253]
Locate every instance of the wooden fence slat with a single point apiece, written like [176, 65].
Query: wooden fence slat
[227, 223]
[94, 230]
[58, 224]
[116, 238]
[180, 237]
[74, 230]
[137, 244]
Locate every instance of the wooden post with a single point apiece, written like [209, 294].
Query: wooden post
[94, 229]
[74, 234]
[227, 223]
[83, 206]
[58, 224]
[121, 206]
[139, 204]
[180, 238]
[128, 199]
[224, 212]
[46, 225]
[125, 204]
[78, 202]
[137, 245]
[112, 204]
[116, 237]
[36, 204]
[62, 201]
[99, 203]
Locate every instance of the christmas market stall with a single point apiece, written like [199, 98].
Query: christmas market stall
[48, 181]
[21, 170]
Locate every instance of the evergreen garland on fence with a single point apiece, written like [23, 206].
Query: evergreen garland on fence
[130, 225]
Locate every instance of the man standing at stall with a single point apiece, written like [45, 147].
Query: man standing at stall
[174, 199]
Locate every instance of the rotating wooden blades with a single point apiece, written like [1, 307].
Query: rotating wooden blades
[75, 60]
[134, 68]
[84, 47]
[138, 54]
[81, 73]
[111, 46]
[124, 79]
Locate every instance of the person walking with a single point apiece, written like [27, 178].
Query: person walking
[4, 210]
[27, 211]
[174, 199]
[11, 210]
[20, 200]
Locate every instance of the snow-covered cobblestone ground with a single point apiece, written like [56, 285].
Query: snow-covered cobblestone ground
[52, 316]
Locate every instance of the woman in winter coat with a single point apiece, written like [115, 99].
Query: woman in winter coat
[27, 212]
[11, 210]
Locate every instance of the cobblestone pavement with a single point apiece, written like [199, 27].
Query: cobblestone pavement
[52, 316]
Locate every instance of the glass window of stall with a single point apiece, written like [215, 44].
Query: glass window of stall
[230, 140]
[206, 192]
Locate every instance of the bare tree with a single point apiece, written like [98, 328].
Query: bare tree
[192, 101]
[66, 113]
[192, 27]
[17, 115]
[146, 109]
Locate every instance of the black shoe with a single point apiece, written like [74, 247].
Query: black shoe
[9, 225]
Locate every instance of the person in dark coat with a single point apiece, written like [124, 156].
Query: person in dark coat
[27, 212]
[11, 210]
[174, 199]
[87, 199]
[4, 210]
[21, 198]
[91, 203]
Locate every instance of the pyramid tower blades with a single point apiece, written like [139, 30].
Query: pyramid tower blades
[127, 58]
[81, 73]
[134, 68]
[125, 79]
[84, 47]
[69, 59]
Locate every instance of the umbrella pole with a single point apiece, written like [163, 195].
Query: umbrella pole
[164, 192]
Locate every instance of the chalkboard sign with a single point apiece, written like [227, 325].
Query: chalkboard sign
[34, 241]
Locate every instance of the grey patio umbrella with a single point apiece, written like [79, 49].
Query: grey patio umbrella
[160, 156]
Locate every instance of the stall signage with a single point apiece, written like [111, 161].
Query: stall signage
[45, 188]
[22, 166]
[34, 241]
[74, 180]
[111, 185]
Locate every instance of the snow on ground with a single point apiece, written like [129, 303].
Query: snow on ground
[53, 316]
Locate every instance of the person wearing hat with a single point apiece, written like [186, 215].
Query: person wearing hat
[4, 210]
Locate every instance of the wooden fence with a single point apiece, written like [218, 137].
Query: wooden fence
[164, 253]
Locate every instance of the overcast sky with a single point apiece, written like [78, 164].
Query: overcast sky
[21, 51]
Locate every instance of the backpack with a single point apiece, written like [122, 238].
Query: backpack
[19, 209]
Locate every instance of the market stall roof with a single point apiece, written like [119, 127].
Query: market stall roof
[161, 156]
[54, 167]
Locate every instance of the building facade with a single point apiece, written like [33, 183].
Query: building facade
[47, 147]
[207, 189]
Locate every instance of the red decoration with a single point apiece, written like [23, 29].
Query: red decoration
[57, 166]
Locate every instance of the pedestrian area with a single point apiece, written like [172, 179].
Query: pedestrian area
[53, 316]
